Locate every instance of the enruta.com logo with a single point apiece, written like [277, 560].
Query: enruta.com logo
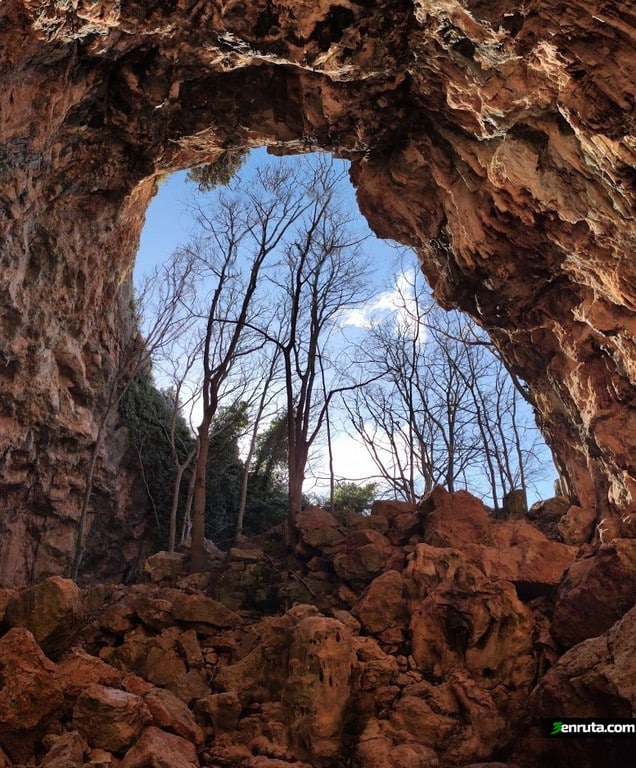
[589, 727]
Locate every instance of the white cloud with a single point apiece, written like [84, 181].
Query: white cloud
[399, 301]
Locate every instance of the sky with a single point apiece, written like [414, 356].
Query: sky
[168, 225]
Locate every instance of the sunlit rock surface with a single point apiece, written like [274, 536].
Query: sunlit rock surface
[495, 137]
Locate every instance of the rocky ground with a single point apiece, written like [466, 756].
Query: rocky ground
[410, 638]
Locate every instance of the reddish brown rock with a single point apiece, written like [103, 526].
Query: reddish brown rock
[79, 669]
[222, 710]
[165, 566]
[596, 678]
[30, 693]
[51, 610]
[202, 610]
[491, 635]
[318, 686]
[108, 718]
[367, 553]
[67, 752]
[596, 591]
[170, 713]
[576, 526]
[453, 519]
[383, 604]
[158, 749]
[318, 528]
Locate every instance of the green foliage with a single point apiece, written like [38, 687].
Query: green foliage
[147, 414]
[224, 472]
[267, 497]
[354, 497]
[219, 172]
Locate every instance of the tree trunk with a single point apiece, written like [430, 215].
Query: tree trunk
[197, 550]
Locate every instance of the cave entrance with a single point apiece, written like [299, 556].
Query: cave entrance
[379, 439]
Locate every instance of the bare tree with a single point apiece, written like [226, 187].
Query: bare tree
[159, 308]
[322, 276]
[445, 410]
[237, 235]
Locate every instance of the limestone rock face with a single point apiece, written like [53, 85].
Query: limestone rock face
[494, 137]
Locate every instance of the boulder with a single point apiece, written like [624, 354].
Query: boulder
[109, 718]
[157, 749]
[52, 610]
[318, 686]
[595, 592]
[222, 710]
[596, 678]
[202, 610]
[453, 519]
[30, 693]
[165, 566]
[366, 554]
[382, 604]
[67, 751]
[546, 515]
[576, 526]
[318, 528]
[170, 713]
[78, 669]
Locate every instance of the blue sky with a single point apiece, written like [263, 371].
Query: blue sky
[168, 224]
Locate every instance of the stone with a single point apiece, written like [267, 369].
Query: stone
[202, 610]
[596, 678]
[165, 566]
[222, 709]
[595, 592]
[51, 610]
[100, 758]
[576, 526]
[382, 604]
[318, 686]
[78, 669]
[109, 718]
[154, 612]
[170, 713]
[157, 749]
[189, 686]
[547, 514]
[30, 693]
[318, 528]
[67, 752]
[453, 519]
[366, 554]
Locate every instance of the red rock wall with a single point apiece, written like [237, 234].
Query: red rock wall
[494, 138]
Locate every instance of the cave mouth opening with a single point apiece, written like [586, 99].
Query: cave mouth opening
[393, 271]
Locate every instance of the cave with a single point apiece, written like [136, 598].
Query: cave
[495, 138]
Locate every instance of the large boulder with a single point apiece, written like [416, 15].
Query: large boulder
[52, 610]
[157, 749]
[383, 605]
[594, 679]
[109, 718]
[596, 591]
[30, 693]
[453, 519]
[367, 553]
[318, 686]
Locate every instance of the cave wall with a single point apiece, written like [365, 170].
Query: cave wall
[495, 137]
